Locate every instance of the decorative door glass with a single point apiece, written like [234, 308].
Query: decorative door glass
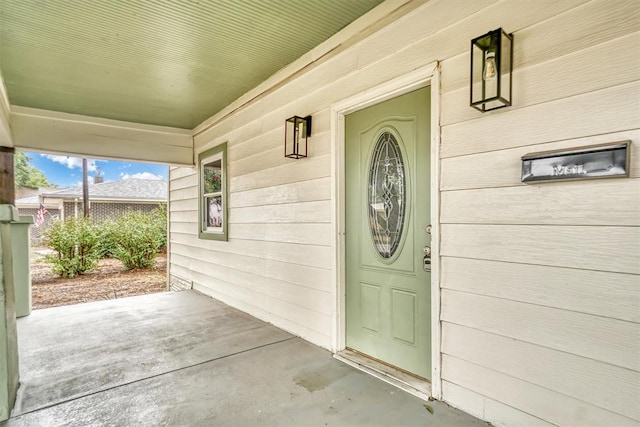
[387, 195]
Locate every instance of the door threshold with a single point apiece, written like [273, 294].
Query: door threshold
[418, 387]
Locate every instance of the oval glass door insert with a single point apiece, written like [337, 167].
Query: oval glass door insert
[387, 195]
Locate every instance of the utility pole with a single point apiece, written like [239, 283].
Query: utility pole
[85, 188]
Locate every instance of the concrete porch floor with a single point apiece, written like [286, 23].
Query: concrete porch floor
[184, 359]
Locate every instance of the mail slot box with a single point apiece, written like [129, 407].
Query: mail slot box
[597, 161]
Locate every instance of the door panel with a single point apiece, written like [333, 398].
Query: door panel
[403, 316]
[370, 307]
[387, 209]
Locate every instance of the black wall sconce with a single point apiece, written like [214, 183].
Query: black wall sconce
[491, 69]
[297, 131]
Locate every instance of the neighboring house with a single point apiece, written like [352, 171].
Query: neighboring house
[24, 192]
[530, 314]
[107, 200]
[31, 204]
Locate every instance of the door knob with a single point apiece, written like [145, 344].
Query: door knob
[427, 251]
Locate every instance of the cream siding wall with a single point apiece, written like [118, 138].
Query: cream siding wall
[540, 283]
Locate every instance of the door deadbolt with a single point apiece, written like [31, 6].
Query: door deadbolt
[426, 261]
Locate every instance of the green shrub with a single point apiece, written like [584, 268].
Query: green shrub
[107, 244]
[76, 243]
[135, 238]
[159, 219]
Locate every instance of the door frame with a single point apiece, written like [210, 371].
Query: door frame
[428, 75]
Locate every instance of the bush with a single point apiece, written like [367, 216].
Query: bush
[107, 244]
[76, 242]
[159, 220]
[135, 238]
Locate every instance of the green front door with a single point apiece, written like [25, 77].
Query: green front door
[387, 210]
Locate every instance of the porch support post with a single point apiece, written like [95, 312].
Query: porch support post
[7, 182]
[9, 376]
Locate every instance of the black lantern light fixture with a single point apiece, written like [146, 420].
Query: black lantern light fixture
[297, 131]
[491, 69]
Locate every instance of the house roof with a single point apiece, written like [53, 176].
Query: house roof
[28, 202]
[32, 200]
[142, 190]
[159, 63]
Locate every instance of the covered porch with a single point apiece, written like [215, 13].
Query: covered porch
[182, 358]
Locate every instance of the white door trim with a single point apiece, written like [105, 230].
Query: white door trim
[425, 76]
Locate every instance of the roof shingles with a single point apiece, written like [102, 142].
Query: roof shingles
[127, 189]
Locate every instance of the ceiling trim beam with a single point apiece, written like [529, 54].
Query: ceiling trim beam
[370, 22]
[5, 116]
[84, 136]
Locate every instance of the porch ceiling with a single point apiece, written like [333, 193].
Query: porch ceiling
[156, 62]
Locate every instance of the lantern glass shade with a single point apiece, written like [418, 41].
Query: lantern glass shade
[491, 70]
[296, 135]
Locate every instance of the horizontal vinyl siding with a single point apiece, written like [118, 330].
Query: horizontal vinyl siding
[582, 291]
[485, 408]
[497, 168]
[540, 285]
[562, 372]
[601, 248]
[311, 255]
[277, 262]
[557, 408]
[280, 206]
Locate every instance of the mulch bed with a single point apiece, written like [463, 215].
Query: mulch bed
[109, 281]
